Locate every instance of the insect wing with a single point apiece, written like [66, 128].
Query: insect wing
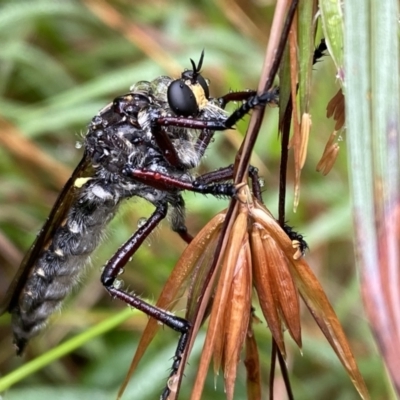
[55, 219]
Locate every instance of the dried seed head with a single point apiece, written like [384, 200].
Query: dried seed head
[252, 364]
[237, 317]
[329, 155]
[224, 316]
[260, 253]
[267, 296]
[282, 281]
[304, 136]
[336, 108]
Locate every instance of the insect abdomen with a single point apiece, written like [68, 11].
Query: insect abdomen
[61, 263]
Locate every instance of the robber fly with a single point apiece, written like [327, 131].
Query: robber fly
[145, 143]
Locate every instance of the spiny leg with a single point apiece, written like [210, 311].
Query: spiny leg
[226, 173]
[165, 182]
[270, 97]
[207, 180]
[115, 265]
[165, 145]
[184, 234]
[178, 219]
[216, 125]
[235, 96]
[203, 141]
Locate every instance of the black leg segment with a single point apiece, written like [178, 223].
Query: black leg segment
[116, 264]
[270, 97]
[226, 173]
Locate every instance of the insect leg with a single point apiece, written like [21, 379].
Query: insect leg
[255, 182]
[205, 136]
[235, 96]
[184, 234]
[251, 102]
[319, 51]
[257, 100]
[228, 173]
[178, 219]
[203, 141]
[117, 263]
[165, 145]
[165, 182]
[295, 236]
[205, 184]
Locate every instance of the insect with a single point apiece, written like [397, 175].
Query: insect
[145, 143]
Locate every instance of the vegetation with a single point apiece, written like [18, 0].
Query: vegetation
[60, 62]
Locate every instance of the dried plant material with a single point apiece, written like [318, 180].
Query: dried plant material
[232, 263]
[296, 139]
[313, 295]
[252, 364]
[304, 136]
[329, 155]
[296, 197]
[237, 239]
[237, 317]
[283, 283]
[268, 299]
[326, 165]
[31, 156]
[336, 108]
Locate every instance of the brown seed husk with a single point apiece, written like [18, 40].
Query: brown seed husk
[284, 286]
[263, 283]
[304, 136]
[239, 230]
[252, 363]
[329, 155]
[239, 308]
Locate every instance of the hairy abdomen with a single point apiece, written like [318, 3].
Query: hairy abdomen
[60, 264]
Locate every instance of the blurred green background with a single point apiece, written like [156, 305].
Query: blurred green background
[60, 62]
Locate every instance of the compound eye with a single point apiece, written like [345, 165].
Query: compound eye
[181, 99]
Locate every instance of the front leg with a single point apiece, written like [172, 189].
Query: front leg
[166, 146]
[270, 97]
